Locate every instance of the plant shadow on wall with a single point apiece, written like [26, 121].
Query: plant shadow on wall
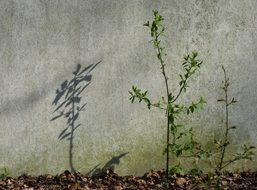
[110, 165]
[69, 105]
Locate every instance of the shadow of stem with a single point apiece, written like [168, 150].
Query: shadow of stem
[110, 165]
[68, 104]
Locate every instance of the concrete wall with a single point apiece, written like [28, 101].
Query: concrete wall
[42, 41]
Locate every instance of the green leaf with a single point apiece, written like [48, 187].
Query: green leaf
[195, 171]
[192, 109]
[177, 169]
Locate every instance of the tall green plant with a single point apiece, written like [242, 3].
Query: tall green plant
[222, 144]
[180, 142]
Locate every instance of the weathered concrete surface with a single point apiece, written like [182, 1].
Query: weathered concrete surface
[42, 41]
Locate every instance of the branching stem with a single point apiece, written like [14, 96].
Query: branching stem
[225, 143]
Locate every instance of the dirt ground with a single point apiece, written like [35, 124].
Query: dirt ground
[152, 180]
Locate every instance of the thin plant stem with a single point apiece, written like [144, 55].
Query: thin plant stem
[223, 150]
[168, 102]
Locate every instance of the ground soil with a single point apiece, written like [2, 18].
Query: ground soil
[153, 180]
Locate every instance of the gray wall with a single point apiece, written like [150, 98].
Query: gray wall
[42, 41]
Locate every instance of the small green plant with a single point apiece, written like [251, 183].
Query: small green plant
[4, 173]
[222, 144]
[180, 141]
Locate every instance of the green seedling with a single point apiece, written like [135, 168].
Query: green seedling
[222, 144]
[4, 173]
[180, 141]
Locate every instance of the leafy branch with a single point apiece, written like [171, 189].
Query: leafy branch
[222, 144]
[168, 103]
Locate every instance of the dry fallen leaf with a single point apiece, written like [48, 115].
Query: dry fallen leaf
[181, 182]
